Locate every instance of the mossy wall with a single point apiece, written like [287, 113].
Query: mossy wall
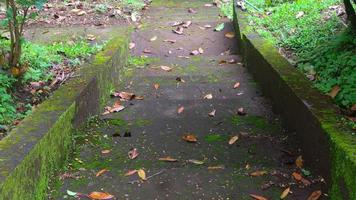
[328, 145]
[40, 145]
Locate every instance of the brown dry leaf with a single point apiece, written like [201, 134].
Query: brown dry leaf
[334, 91]
[133, 153]
[101, 172]
[100, 196]
[91, 37]
[81, 13]
[147, 51]
[315, 195]
[154, 38]
[142, 174]
[241, 111]
[197, 162]
[230, 35]
[139, 97]
[258, 173]
[257, 197]
[201, 50]
[285, 193]
[297, 176]
[180, 110]
[105, 151]
[125, 95]
[187, 24]
[156, 86]
[168, 159]
[194, 52]
[208, 96]
[305, 182]
[132, 45]
[216, 167]
[166, 68]
[299, 162]
[178, 31]
[221, 62]
[170, 41]
[212, 113]
[233, 139]
[190, 138]
[237, 85]
[130, 172]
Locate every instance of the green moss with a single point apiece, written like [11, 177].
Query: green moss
[142, 122]
[117, 122]
[215, 138]
[257, 123]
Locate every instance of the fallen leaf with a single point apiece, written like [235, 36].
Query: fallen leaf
[297, 176]
[142, 174]
[81, 13]
[212, 113]
[166, 68]
[100, 196]
[153, 38]
[237, 84]
[105, 151]
[201, 50]
[179, 79]
[315, 195]
[101, 172]
[190, 138]
[156, 86]
[208, 5]
[191, 10]
[147, 51]
[124, 95]
[168, 159]
[285, 193]
[258, 173]
[232, 61]
[91, 37]
[230, 35]
[221, 62]
[220, 27]
[139, 97]
[299, 162]
[241, 111]
[178, 31]
[257, 197]
[299, 15]
[132, 45]
[194, 52]
[180, 110]
[208, 96]
[130, 172]
[334, 91]
[187, 24]
[70, 193]
[305, 182]
[197, 162]
[233, 139]
[216, 167]
[133, 153]
[177, 23]
[170, 41]
[207, 26]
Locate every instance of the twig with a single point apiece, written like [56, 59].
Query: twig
[153, 175]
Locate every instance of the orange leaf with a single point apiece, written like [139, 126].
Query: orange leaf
[258, 173]
[130, 172]
[299, 162]
[315, 195]
[100, 195]
[285, 193]
[180, 110]
[257, 197]
[101, 172]
[230, 35]
[297, 176]
[190, 138]
[168, 159]
[156, 86]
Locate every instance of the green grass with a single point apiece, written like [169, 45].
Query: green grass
[39, 58]
[318, 43]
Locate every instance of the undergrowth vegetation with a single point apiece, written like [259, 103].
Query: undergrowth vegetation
[313, 35]
[38, 59]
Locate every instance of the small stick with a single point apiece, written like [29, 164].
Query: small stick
[153, 175]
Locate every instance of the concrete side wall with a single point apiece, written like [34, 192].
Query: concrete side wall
[42, 142]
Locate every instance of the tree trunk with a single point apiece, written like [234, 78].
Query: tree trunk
[351, 16]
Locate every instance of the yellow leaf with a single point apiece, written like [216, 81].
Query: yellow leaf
[156, 86]
[197, 162]
[230, 35]
[142, 174]
[285, 193]
[100, 195]
[233, 139]
[299, 162]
